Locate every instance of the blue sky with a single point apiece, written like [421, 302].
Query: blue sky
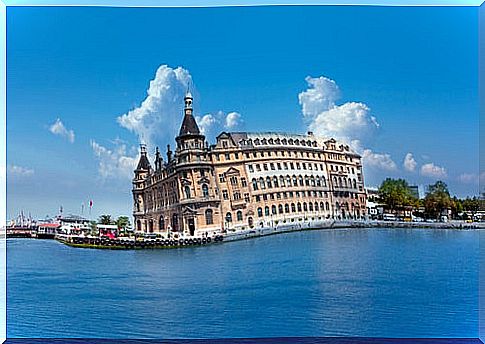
[414, 70]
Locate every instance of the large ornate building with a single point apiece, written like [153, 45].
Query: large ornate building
[245, 180]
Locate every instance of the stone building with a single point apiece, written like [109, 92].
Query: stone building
[245, 180]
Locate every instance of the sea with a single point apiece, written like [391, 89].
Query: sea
[338, 282]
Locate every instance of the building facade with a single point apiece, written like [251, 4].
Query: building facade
[245, 180]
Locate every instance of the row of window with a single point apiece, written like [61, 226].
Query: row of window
[278, 141]
[288, 181]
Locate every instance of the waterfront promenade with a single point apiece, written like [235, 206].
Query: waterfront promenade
[251, 233]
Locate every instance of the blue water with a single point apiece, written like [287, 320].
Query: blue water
[358, 282]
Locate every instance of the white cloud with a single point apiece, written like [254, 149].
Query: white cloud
[58, 128]
[434, 171]
[346, 122]
[233, 120]
[117, 162]
[19, 171]
[409, 163]
[380, 161]
[213, 124]
[157, 119]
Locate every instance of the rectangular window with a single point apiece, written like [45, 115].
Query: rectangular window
[246, 197]
[225, 195]
[243, 182]
[278, 165]
[258, 198]
[271, 165]
[265, 167]
[222, 178]
[251, 169]
[258, 167]
[227, 156]
[265, 197]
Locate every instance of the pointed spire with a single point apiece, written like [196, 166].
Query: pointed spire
[143, 163]
[189, 125]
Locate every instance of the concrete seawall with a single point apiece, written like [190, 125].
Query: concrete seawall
[329, 224]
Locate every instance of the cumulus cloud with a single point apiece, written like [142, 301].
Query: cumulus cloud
[349, 122]
[118, 162]
[409, 163]
[346, 122]
[211, 124]
[58, 128]
[19, 171]
[159, 115]
[434, 171]
[380, 161]
[233, 120]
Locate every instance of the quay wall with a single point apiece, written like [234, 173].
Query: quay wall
[329, 224]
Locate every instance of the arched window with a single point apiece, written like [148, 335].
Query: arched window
[318, 181]
[312, 181]
[187, 192]
[307, 181]
[273, 209]
[208, 217]
[293, 209]
[324, 181]
[316, 206]
[138, 225]
[266, 211]
[288, 180]
[327, 206]
[205, 190]
[255, 184]
[300, 179]
[239, 215]
[161, 223]
[275, 181]
[354, 183]
[299, 206]
[287, 208]
[268, 182]
[150, 226]
[305, 207]
[261, 183]
[250, 221]
[260, 212]
[280, 209]
[340, 181]
[282, 181]
[228, 217]
[310, 206]
[295, 182]
[322, 206]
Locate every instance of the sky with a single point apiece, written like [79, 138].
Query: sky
[86, 85]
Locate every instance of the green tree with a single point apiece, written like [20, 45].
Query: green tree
[93, 228]
[437, 199]
[472, 205]
[105, 220]
[395, 194]
[123, 222]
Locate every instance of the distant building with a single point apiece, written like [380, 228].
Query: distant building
[73, 224]
[245, 180]
[414, 191]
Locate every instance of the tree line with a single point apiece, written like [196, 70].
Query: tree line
[396, 195]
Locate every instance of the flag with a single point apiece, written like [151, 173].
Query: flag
[90, 203]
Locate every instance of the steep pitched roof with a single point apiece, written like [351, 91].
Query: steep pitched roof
[143, 164]
[189, 126]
